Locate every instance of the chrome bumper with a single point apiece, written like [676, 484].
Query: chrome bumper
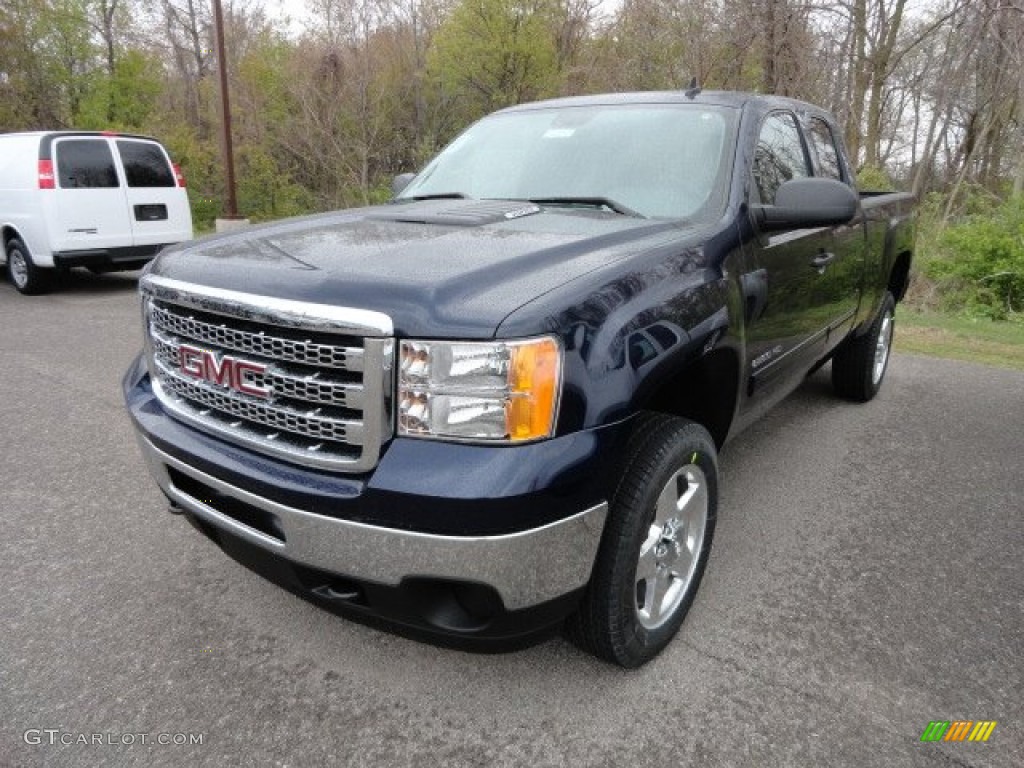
[526, 568]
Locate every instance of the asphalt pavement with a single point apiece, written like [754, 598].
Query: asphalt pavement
[867, 579]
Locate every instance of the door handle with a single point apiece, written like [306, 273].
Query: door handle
[822, 260]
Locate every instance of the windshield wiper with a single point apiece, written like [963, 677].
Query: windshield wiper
[598, 202]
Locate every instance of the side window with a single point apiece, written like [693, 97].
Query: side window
[145, 164]
[820, 136]
[779, 156]
[85, 164]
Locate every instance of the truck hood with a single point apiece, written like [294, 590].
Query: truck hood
[440, 268]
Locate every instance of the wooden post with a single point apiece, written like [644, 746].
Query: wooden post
[229, 154]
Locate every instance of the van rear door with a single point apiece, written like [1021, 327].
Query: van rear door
[89, 209]
[157, 206]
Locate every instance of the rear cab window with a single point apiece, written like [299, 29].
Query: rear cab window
[85, 164]
[826, 157]
[145, 164]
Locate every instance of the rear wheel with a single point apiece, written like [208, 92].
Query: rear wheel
[656, 543]
[26, 277]
[859, 366]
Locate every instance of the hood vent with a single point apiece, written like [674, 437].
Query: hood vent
[458, 213]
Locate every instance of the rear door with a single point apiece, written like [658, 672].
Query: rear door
[787, 333]
[840, 280]
[157, 205]
[89, 200]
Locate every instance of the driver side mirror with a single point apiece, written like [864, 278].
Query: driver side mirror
[808, 202]
[400, 182]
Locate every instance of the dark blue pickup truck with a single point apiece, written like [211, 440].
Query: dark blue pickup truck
[494, 404]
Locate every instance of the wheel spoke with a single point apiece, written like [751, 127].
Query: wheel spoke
[681, 567]
[647, 566]
[693, 508]
[882, 345]
[667, 505]
[674, 585]
[654, 598]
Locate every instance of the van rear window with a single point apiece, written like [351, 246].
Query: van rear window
[145, 164]
[85, 164]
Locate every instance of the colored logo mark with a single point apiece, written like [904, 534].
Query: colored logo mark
[958, 730]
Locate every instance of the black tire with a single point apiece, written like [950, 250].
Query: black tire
[859, 365]
[617, 619]
[24, 275]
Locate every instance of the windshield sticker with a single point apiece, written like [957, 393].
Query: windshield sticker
[559, 133]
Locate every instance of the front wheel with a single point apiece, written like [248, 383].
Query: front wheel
[859, 366]
[655, 545]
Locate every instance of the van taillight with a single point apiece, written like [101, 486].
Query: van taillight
[46, 175]
[178, 175]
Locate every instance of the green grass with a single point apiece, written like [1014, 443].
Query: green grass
[960, 338]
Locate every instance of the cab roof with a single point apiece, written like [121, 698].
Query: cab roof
[733, 99]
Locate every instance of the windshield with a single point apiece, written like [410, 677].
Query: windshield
[663, 161]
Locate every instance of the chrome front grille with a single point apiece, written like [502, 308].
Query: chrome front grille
[259, 344]
[322, 388]
[317, 380]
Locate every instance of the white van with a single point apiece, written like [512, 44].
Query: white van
[105, 201]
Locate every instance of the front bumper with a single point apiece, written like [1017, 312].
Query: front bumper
[456, 540]
[524, 568]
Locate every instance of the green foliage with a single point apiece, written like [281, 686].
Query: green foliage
[977, 340]
[264, 189]
[125, 101]
[979, 266]
[200, 162]
[47, 58]
[380, 193]
[261, 93]
[874, 179]
[495, 53]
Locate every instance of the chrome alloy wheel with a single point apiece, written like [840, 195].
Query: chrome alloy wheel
[669, 554]
[19, 269]
[882, 347]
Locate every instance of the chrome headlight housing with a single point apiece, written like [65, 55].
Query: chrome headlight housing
[479, 391]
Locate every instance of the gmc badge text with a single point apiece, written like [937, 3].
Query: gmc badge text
[495, 403]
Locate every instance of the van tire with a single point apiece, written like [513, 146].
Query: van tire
[24, 275]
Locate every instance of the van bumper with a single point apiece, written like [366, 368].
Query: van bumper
[108, 259]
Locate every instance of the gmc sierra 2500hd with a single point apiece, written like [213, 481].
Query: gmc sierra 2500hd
[495, 403]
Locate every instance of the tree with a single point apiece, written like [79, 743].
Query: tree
[494, 53]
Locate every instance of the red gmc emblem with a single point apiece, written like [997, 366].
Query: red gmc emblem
[224, 370]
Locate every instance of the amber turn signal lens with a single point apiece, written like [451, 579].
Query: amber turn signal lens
[534, 378]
